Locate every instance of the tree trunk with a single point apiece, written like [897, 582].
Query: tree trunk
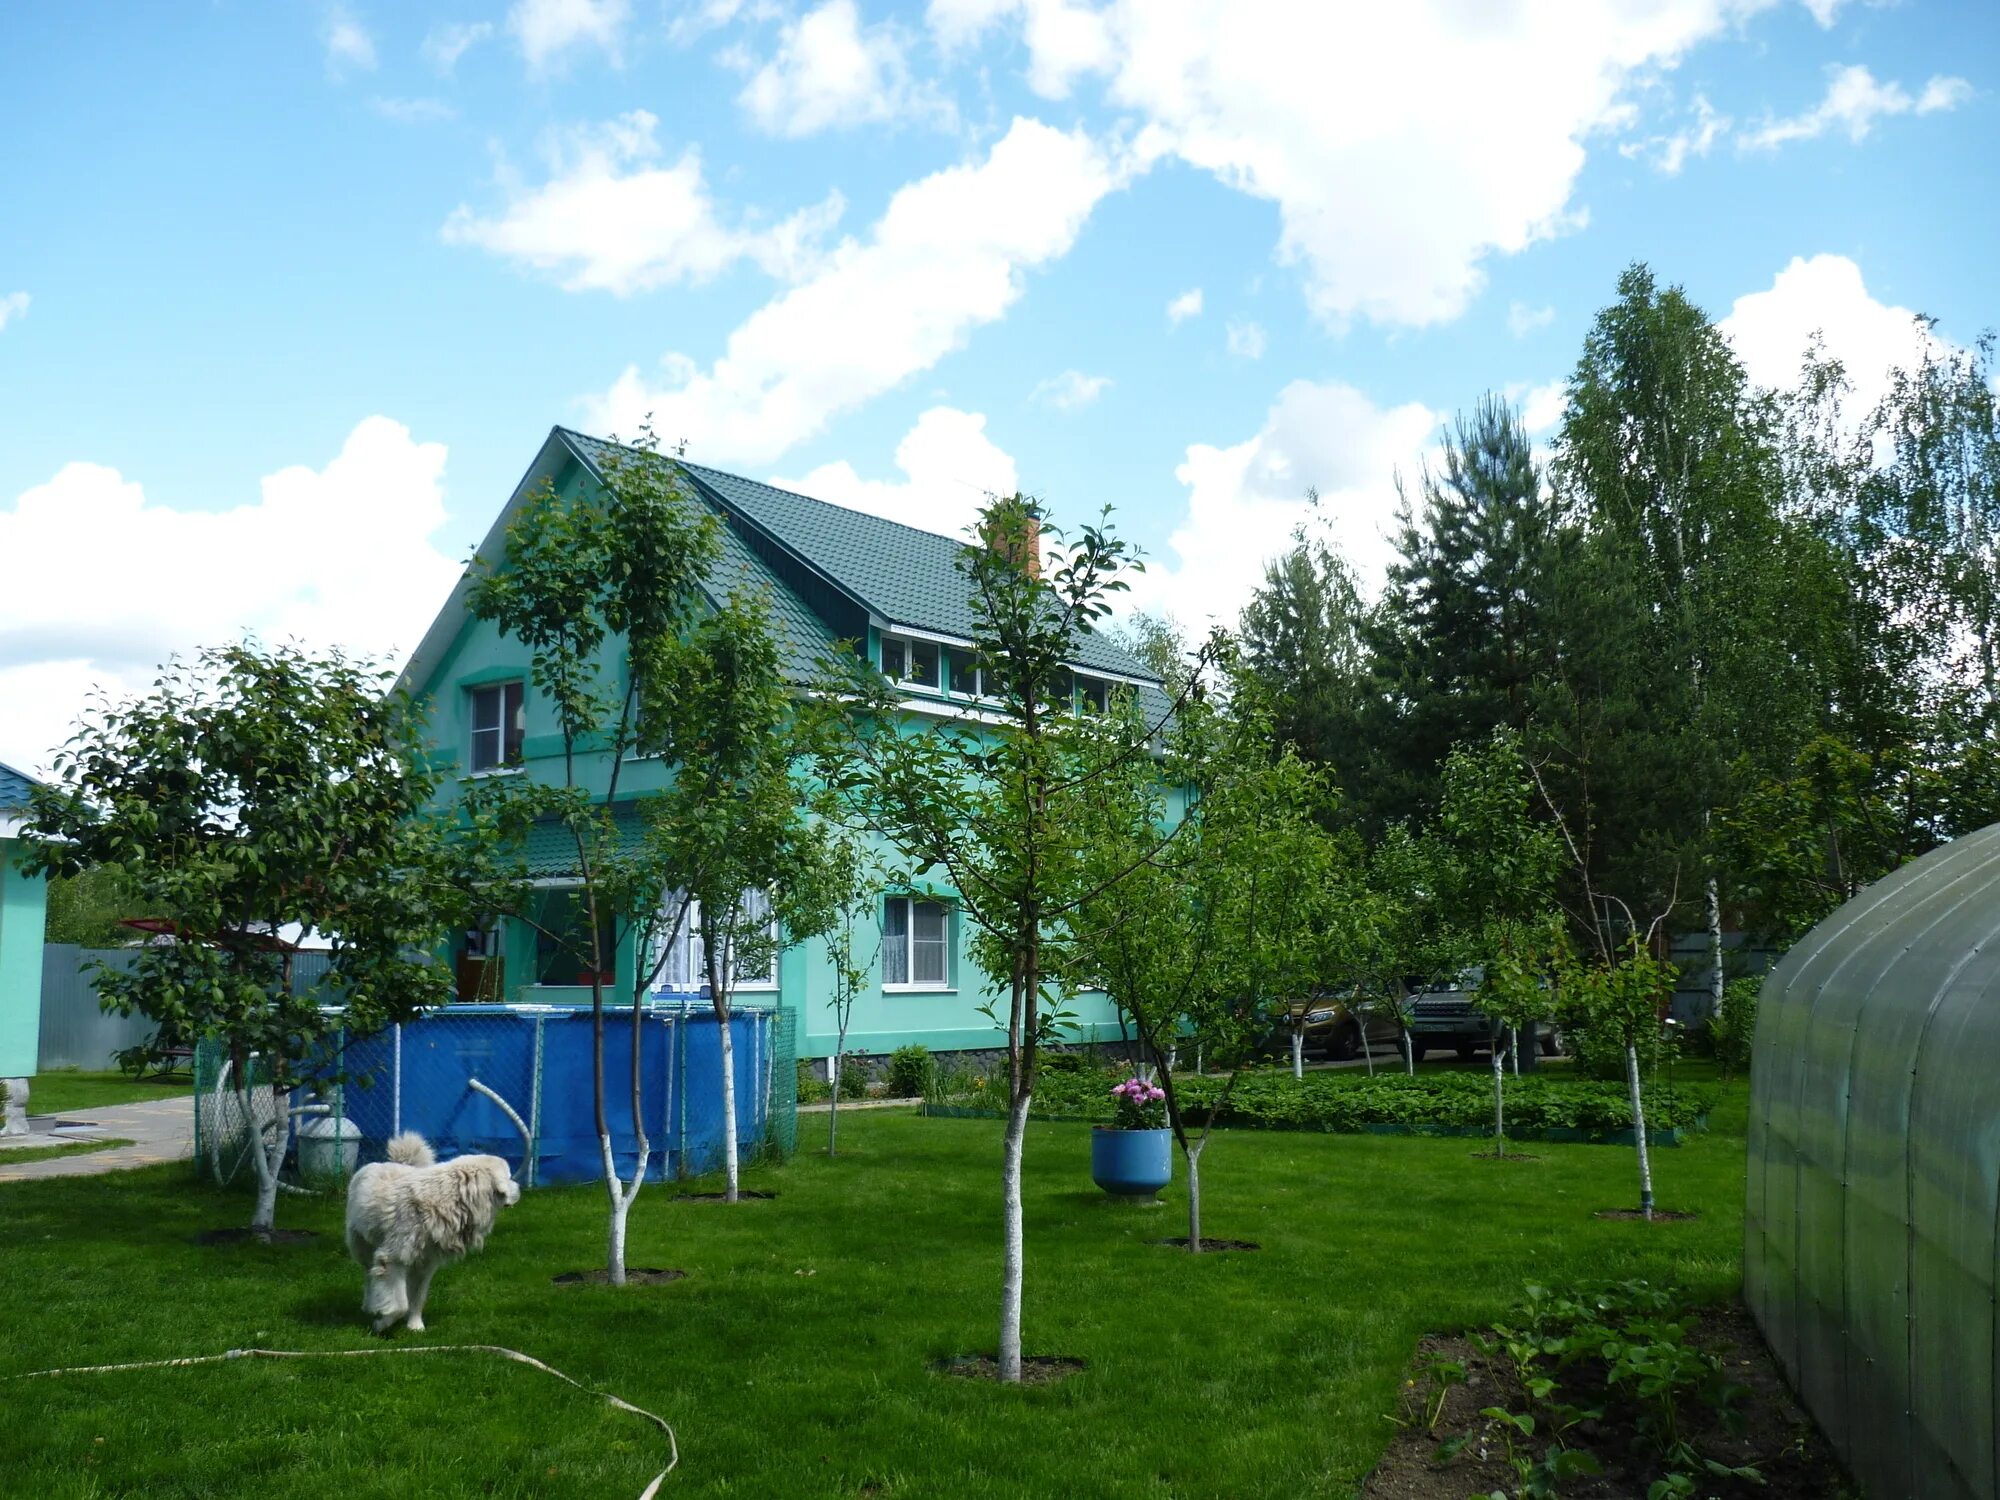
[1714, 949]
[1011, 1260]
[1367, 1051]
[1409, 1053]
[833, 1099]
[1639, 1131]
[268, 1158]
[728, 1112]
[1514, 1048]
[1193, 1155]
[1499, 1099]
[1298, 1054]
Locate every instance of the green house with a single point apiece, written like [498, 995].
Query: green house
[23, 915]
[829, 574]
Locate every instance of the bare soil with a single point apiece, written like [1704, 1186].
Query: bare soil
[1179, 1242]
[1036, 1369]
[240, 1236]
[1660, 1215]
[634, 1276]
[744, 1195]
[1778, 1437]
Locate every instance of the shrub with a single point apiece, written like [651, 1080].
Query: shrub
[812, 1088]
[1731, 1028]
[853, 1079]
[1065, 1064]
[911, 1069]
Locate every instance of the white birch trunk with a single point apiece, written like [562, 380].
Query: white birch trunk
[1011, 1260]
[621, 1205]
[1639, 1132]
[1193, 1154]
[1367, 1050]
[1298, 1054]
[1514, 1049]
[1409, 1054]
[1714, 949]
[268, 1156]
[1499, 1099]
[728, 1113]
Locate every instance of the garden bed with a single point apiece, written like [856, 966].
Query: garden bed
[1464, 1407]
[1437, 1104]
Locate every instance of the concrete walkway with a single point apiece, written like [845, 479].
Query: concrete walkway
[160, 1130]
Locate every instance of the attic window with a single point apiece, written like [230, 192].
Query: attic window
[1093, 694]
[910, 663]
[497, 726]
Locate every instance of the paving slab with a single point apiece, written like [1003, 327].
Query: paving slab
[160, 1130]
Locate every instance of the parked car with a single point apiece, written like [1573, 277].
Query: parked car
[1332, 1032]
[1442, 1018]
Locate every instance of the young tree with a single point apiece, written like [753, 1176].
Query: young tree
[603, 592]
[1624, 999]
[857, 879]
[752, 855]
[1504, 863]
[1177, 929]
[249, 792]
[994, 807]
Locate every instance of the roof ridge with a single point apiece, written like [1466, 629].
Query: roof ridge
[777, 489]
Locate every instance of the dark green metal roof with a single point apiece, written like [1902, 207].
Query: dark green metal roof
[14, 788]
[906, 576]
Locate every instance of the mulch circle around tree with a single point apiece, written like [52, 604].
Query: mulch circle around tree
[1796, 1461]
[1036, 1369]
[744, 1195]
[248, 1236]
[634, 1276]
[1510, 1156]
[1660, 1215]
[1209, 1246]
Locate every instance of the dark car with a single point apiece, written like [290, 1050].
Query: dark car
[1442, 1018]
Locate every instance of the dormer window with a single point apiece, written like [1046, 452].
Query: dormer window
[1093, 694]
[911, 663]
[968, 678]
[497, 724]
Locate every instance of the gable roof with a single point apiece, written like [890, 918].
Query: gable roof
[14, 788]
[902, 575]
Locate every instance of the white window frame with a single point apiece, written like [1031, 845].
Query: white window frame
[517, 689]
[910, 645]
[686, 969]
[1085, 702]
[942, 986]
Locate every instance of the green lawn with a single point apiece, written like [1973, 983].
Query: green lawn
[69, 1091]
[13, 1154]
[1240, 1375]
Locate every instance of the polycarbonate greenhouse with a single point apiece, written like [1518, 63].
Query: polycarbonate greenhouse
[1869, 1232]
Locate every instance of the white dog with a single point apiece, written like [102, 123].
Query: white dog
[410, 1214]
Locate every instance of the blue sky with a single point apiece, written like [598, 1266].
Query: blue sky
[289, 292]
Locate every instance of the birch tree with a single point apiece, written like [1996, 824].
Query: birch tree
[252, 792]
[993, 808]
[603, 591]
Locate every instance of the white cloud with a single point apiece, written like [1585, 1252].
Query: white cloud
[348, 44]
[1823, 11]
[829, 73]
[615, 216]
[413, 111]
[1186, 305]
[1523, 320]
[1403, 144]
[12, 306]
[1854, 101]
[1667, 154]
[950, 467]
[445, 45]
[949, 254]
[546, 29]
[1825, 294]
[1542, 406]
[1069, 390]
[335, 556]
[1247, 340]
[1244, 501]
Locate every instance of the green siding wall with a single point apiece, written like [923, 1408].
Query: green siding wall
[23, 916]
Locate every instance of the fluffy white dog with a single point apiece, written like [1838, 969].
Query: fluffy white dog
[412, 1213]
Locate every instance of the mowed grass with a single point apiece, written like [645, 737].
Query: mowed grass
[12, 1154]
[795, 1360]
[71, 1092]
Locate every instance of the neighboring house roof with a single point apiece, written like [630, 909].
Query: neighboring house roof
[14, 788]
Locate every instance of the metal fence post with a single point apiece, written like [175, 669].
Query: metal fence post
[535, 1108]
[396, 1084]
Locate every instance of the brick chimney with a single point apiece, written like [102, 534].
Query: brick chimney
[1014, 531]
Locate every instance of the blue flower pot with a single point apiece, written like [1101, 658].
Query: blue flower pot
[1131, 1163]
